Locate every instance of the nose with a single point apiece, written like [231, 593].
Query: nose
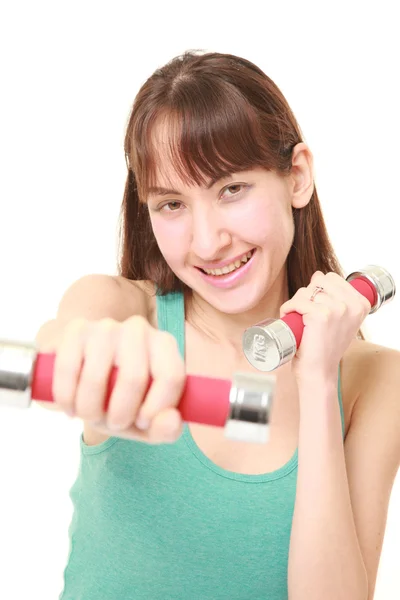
[209, 236]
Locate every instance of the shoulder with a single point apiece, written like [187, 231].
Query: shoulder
[139, 291]
[379, 378]
[96, 296]
[370, 365]
[362, 368]
[375, 380]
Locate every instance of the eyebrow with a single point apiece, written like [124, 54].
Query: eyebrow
[161, 191]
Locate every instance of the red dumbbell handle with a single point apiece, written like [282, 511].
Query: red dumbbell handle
[204, 399]
[295, 320]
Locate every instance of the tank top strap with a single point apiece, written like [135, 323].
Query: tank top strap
[341, 403]
[171, 316]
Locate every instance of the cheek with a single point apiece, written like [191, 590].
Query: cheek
[261, 222]
[170, 236]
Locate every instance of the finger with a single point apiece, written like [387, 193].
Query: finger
[338, 288]
[302, 304]
[68, 364]
[133, 374]
[131, 433]
[316, 278]
[166, 427]
[168, 372]
[99, 358]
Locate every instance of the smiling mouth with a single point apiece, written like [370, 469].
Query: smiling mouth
[234, 266]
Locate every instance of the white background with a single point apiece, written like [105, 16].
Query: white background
[69, 74]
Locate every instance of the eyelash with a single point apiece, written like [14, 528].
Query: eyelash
[241, 185]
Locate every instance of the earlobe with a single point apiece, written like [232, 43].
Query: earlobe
[302, 175]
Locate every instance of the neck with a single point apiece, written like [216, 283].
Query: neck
[227, 329]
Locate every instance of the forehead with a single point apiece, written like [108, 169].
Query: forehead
[169, 169]
[166, 150]
[178, 160]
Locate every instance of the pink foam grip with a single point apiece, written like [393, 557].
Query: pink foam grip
[295, 321]
[204, 399]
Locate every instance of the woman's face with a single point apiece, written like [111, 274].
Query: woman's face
[227, 241]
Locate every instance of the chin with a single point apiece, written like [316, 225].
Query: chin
[231, 302]
[235, 306]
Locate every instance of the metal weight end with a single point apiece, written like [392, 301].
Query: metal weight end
[250, 403]
[382, 281]
[17, 360]
[269, 344]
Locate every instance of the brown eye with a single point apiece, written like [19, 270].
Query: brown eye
[173, 206]
[234, 190]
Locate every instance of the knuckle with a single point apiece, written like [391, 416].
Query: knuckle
[74, 330]
[134, 328]
[77, 324]
[166, 337]
[169, 342]
[136, 322]
[106, 325]
[108, 321]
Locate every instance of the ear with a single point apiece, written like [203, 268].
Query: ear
[302, 175]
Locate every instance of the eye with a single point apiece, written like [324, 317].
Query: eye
[173, 206]
[235, 190]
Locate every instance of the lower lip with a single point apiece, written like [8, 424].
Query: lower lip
[230, 279]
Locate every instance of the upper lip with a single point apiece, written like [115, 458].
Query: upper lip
[223, 263]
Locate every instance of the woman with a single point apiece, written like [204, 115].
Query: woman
[222, 228]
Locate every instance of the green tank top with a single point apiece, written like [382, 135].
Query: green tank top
[163, 522]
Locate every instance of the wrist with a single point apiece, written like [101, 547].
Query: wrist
[316, 387]
[315, 379]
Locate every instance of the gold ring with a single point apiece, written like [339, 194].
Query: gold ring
[316, 291]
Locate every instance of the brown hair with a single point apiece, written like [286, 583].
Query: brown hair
[224, 115]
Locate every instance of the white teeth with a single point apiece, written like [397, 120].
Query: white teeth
[231, 267]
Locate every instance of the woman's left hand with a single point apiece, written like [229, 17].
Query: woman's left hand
[331, 322]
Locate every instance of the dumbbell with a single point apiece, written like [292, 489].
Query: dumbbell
[242, 407]
[274, 342]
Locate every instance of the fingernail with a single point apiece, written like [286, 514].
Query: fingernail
[142, 422]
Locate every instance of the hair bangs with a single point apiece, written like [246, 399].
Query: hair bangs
[202, 136]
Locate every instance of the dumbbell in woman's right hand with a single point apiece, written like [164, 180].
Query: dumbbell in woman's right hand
[85, 356]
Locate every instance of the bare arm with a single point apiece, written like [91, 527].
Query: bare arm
[344, 491]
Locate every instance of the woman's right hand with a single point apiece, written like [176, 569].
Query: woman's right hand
[84, 359]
